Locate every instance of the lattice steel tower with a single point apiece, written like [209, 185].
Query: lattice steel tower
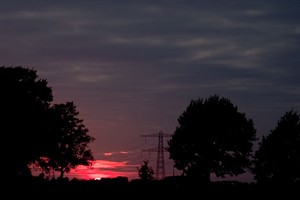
[160, 162]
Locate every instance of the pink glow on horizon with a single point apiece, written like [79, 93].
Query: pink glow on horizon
[108, 164]
[104, 169]
[91, 175]
[101, 169]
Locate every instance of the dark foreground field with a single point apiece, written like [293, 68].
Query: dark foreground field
[137, 189]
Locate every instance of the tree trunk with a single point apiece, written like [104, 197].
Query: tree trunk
[206, 177]
[61, 176]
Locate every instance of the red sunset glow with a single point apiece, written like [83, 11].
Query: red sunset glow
[100, 169]
[104, 169]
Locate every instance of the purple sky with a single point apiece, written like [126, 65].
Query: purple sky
[132, 67]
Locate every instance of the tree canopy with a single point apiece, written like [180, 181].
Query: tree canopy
[24, 103]
[33, 130]
[278, 158]
[145, 171]
[70, 148]
[212, 137]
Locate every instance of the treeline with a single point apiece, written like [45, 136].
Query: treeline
[212, 136]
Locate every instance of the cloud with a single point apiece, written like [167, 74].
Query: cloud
[132, 67]
[115, 153]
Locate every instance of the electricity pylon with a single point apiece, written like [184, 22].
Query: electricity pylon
[160, 163]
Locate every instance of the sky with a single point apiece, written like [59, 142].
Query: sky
[132, 67]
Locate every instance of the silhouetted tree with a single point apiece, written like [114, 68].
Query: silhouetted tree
[145, 171]
[24, 104]
[71, 147]
[212, 137]
[278, 158]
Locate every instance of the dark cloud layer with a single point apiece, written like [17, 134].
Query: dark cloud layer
[132, 67]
